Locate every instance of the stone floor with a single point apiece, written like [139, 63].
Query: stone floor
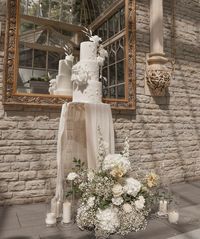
[28, 221]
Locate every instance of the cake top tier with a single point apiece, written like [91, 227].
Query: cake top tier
[88, 51]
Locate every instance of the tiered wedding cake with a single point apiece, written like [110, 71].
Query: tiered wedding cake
[85, 74]
[62, 85]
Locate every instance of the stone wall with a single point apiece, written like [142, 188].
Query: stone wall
[164, 132]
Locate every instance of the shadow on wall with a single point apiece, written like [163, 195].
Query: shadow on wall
[31, 135]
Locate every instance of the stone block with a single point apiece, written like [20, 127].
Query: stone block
[39, 165]
[4, 167]
[3, 187]
[10, 150]
[20, 166]
[39, 149]
[11, 176]
[36, 184]
[27, 157]
[6, 195]
[32, 193]
[28, 175]
[44, 174]
[28, 134]
[8, 125]
[10, 158]
[27, 125]
[16, 186]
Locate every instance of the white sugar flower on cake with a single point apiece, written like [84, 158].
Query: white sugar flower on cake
[69, 57]
[102, 52]
[96, 39]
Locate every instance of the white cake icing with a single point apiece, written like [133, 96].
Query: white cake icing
[89, 93]
[88, 51]
[85, 75]
[62, 85]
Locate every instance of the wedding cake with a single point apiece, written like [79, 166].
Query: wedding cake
[62, 85]
[85, 74]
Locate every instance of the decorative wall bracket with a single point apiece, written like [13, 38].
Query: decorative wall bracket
[158, 76]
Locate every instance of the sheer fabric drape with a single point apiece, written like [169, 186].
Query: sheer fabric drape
[78, 138]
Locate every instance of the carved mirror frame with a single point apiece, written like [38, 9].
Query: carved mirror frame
[11, 97]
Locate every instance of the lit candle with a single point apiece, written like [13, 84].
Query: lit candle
[66, 212]
[173, 216]
[162, 208]
[50, 219]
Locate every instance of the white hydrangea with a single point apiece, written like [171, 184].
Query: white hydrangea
[117, 201]
[90, 202]
[108, 220]
[112, 161]
[71, 176]
[139, 204]
[132, 186]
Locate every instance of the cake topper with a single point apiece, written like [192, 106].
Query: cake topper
[96, 39]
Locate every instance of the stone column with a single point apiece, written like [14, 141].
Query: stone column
[156, 58]
[156, 26]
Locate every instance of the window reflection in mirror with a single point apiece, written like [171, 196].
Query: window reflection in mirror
[112, 31]
[45, 28]
[47, 25]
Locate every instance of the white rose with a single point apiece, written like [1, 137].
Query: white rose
[127, 207]
[140, 202]
[132, 186]
[117, 201]
[117, 190]
[71, 176]
[100, 60]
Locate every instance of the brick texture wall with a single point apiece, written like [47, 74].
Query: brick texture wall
[164, 132]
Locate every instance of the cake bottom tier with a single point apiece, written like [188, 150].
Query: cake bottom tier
[88, 93]
[65, 92]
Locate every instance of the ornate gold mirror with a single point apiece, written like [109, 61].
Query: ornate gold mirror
[38, 31]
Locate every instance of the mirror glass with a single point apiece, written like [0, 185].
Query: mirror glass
[41, 32]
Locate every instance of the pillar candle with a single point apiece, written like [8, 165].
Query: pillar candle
[66, 212]
[173, 216]
[162, 207]
[50, 219]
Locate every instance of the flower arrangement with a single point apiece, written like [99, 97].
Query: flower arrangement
[111, 201]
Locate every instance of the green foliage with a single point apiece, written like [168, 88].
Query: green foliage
[42, 79]
[78, 165]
